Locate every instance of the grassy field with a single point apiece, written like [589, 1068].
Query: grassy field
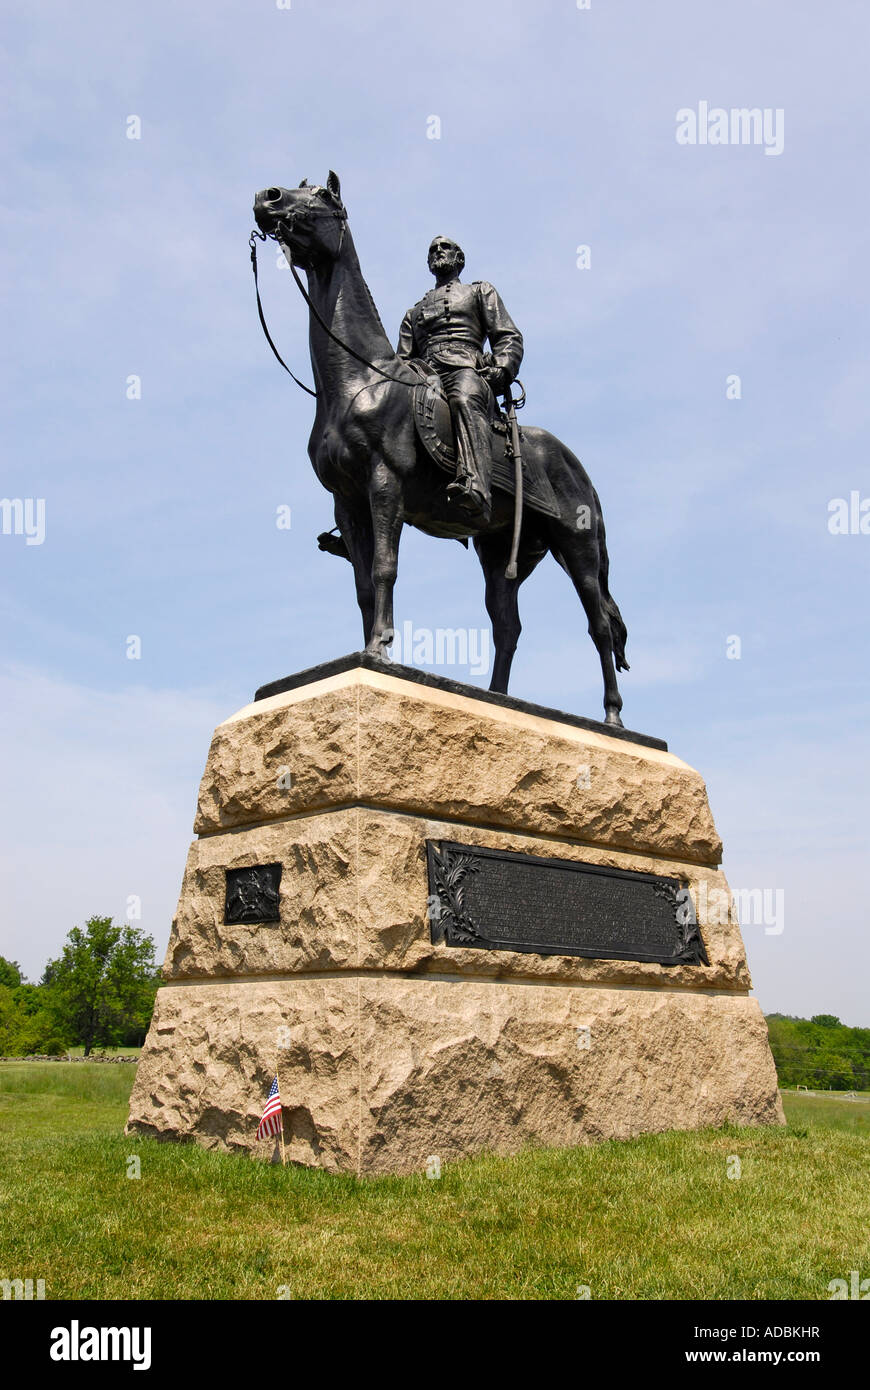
[829, 1108]
[654, 1218]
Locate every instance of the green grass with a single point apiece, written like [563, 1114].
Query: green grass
[653, 1218]
[829, 1109]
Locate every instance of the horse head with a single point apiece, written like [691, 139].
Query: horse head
[309, 220]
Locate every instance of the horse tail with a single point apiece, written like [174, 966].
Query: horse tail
[618, 630]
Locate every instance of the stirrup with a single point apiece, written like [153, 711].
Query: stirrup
[471, 500]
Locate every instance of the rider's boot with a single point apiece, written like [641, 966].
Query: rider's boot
[471, 500]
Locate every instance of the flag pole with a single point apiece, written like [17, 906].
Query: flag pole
[283, 1155]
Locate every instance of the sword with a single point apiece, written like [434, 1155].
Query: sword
[511, 409]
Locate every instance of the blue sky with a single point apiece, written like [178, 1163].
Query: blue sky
[557, 130]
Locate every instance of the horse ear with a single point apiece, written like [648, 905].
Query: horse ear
[333, 185]
[304, 183]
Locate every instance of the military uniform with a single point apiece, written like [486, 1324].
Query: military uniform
[448, 329]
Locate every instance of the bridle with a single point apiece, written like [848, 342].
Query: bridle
[287, 224]
[312, 209]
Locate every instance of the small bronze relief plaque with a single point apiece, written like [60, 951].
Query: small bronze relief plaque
[253, 894]
[496, 900]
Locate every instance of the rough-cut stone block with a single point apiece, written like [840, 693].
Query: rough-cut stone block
[368, 738]
[354, 894]
[382, 1071]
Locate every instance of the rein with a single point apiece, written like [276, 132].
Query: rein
[263, 236]
[253, 245]
[401, 381]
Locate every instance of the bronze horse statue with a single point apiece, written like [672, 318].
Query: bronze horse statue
[367, 451]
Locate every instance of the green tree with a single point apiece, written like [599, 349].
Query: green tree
[10, 973]
[10, 1024]
[101, 989]
[29, 998]
[26, 1025]
[820, 1051]
[833, 1070]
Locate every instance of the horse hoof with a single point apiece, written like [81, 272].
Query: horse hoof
[378, 646]
[612, 717]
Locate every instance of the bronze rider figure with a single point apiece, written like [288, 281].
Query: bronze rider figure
[447, 329]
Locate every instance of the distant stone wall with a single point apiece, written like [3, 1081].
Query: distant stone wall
[43, 1057]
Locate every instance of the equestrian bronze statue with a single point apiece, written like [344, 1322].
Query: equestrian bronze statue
[416, 436]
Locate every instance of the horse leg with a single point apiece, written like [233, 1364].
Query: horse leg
[579, 555]
[355, 525]
[385, 500]
[502, 596]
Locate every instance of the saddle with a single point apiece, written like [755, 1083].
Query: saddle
[435, 430]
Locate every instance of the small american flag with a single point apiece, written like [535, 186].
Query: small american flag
[271, 1121]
